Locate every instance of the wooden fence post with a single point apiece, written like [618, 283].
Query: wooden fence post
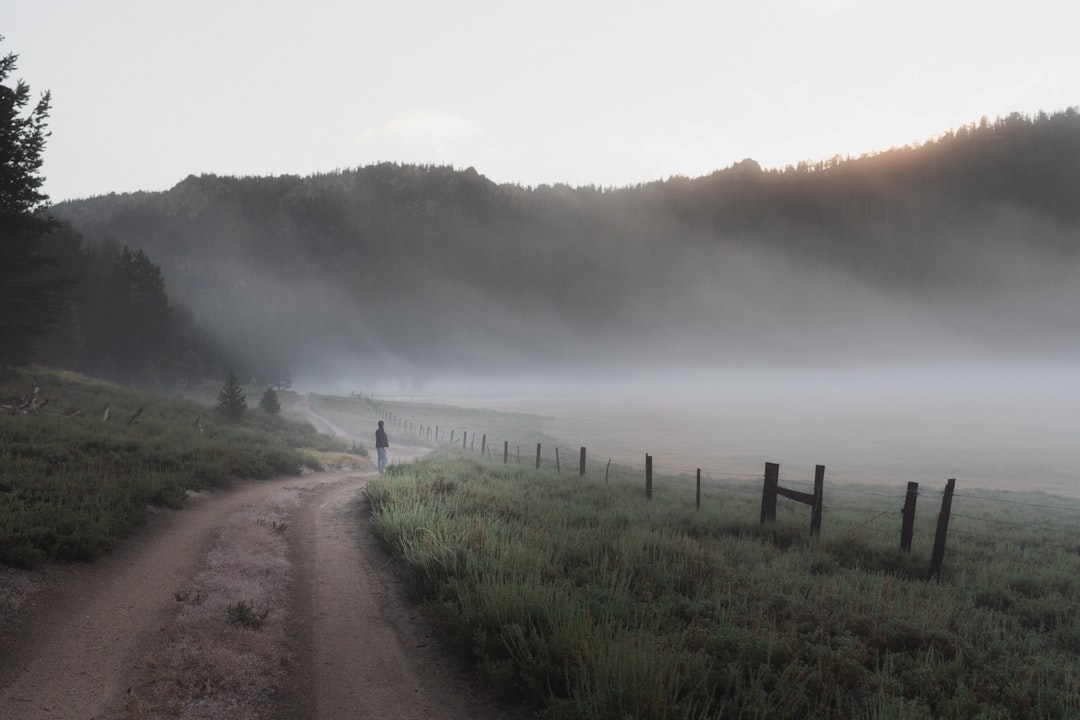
[907, 522]
[451, 437]
[648, 476]
[464, 441]
[558, 469]
[819, 497]
[537, 456]
[942, 531]
[581, 468]
[697, 503]
[768, 492]
[483, 445]
[506, 451]
[607, 472]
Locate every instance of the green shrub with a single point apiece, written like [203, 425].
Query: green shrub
[245, 614]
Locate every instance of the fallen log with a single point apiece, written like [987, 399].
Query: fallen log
[26, 405]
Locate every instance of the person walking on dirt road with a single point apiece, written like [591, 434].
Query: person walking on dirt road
[382, 443]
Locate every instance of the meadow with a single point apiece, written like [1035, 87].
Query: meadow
[74, 481]
[583, 598]
[589, 600]
[595, 602]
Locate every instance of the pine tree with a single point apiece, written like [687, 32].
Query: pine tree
[232, 403]
[29, 302]
[269, 402]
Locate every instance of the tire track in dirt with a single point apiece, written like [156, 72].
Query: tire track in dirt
[372, 653]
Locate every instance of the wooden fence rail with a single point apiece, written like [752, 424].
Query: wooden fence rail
[771, 489]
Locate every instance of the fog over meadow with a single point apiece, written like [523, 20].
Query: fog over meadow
[905, 316]
[767, 360]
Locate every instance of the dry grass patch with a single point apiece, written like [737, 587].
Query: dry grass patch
[207, 665]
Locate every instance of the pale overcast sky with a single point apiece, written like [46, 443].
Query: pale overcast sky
[604, 92]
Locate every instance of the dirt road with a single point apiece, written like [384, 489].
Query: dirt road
[74, 639]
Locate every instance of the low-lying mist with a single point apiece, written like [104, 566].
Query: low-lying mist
[1000, 426]
[703, 307]
[911, 316]
[727, 357]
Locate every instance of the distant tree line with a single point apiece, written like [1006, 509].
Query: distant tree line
[416, 253]
[389, 262]
[117, 322]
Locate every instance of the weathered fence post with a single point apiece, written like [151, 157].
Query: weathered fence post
[483, 445]
[581, 467]
[648, 476]
[607, 472]
[537, 456]
[464, 440]
[557, 468]
[451, 437]
[506, 451]
[819, 496]
[768, 492]
[697, 502]
[907, 522]
[942, 531]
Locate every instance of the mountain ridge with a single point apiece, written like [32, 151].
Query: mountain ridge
[420, 269]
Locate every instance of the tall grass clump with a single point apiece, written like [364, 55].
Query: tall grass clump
[591, 601]
[73, 481]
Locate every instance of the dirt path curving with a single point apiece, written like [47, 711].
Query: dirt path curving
[382, 662]
[70, 648]
[73, 641]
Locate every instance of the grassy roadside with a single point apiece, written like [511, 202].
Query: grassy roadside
[595, 602]
[73, 481]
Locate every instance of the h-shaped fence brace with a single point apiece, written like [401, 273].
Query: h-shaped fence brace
[772, 489]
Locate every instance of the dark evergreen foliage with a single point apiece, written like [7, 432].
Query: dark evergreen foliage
[269, 402]
[119, 323]
[30, 301]
[232, 403]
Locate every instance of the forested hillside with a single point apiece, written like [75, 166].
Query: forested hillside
[969, 244]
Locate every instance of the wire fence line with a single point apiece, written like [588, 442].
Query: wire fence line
[712, 479]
